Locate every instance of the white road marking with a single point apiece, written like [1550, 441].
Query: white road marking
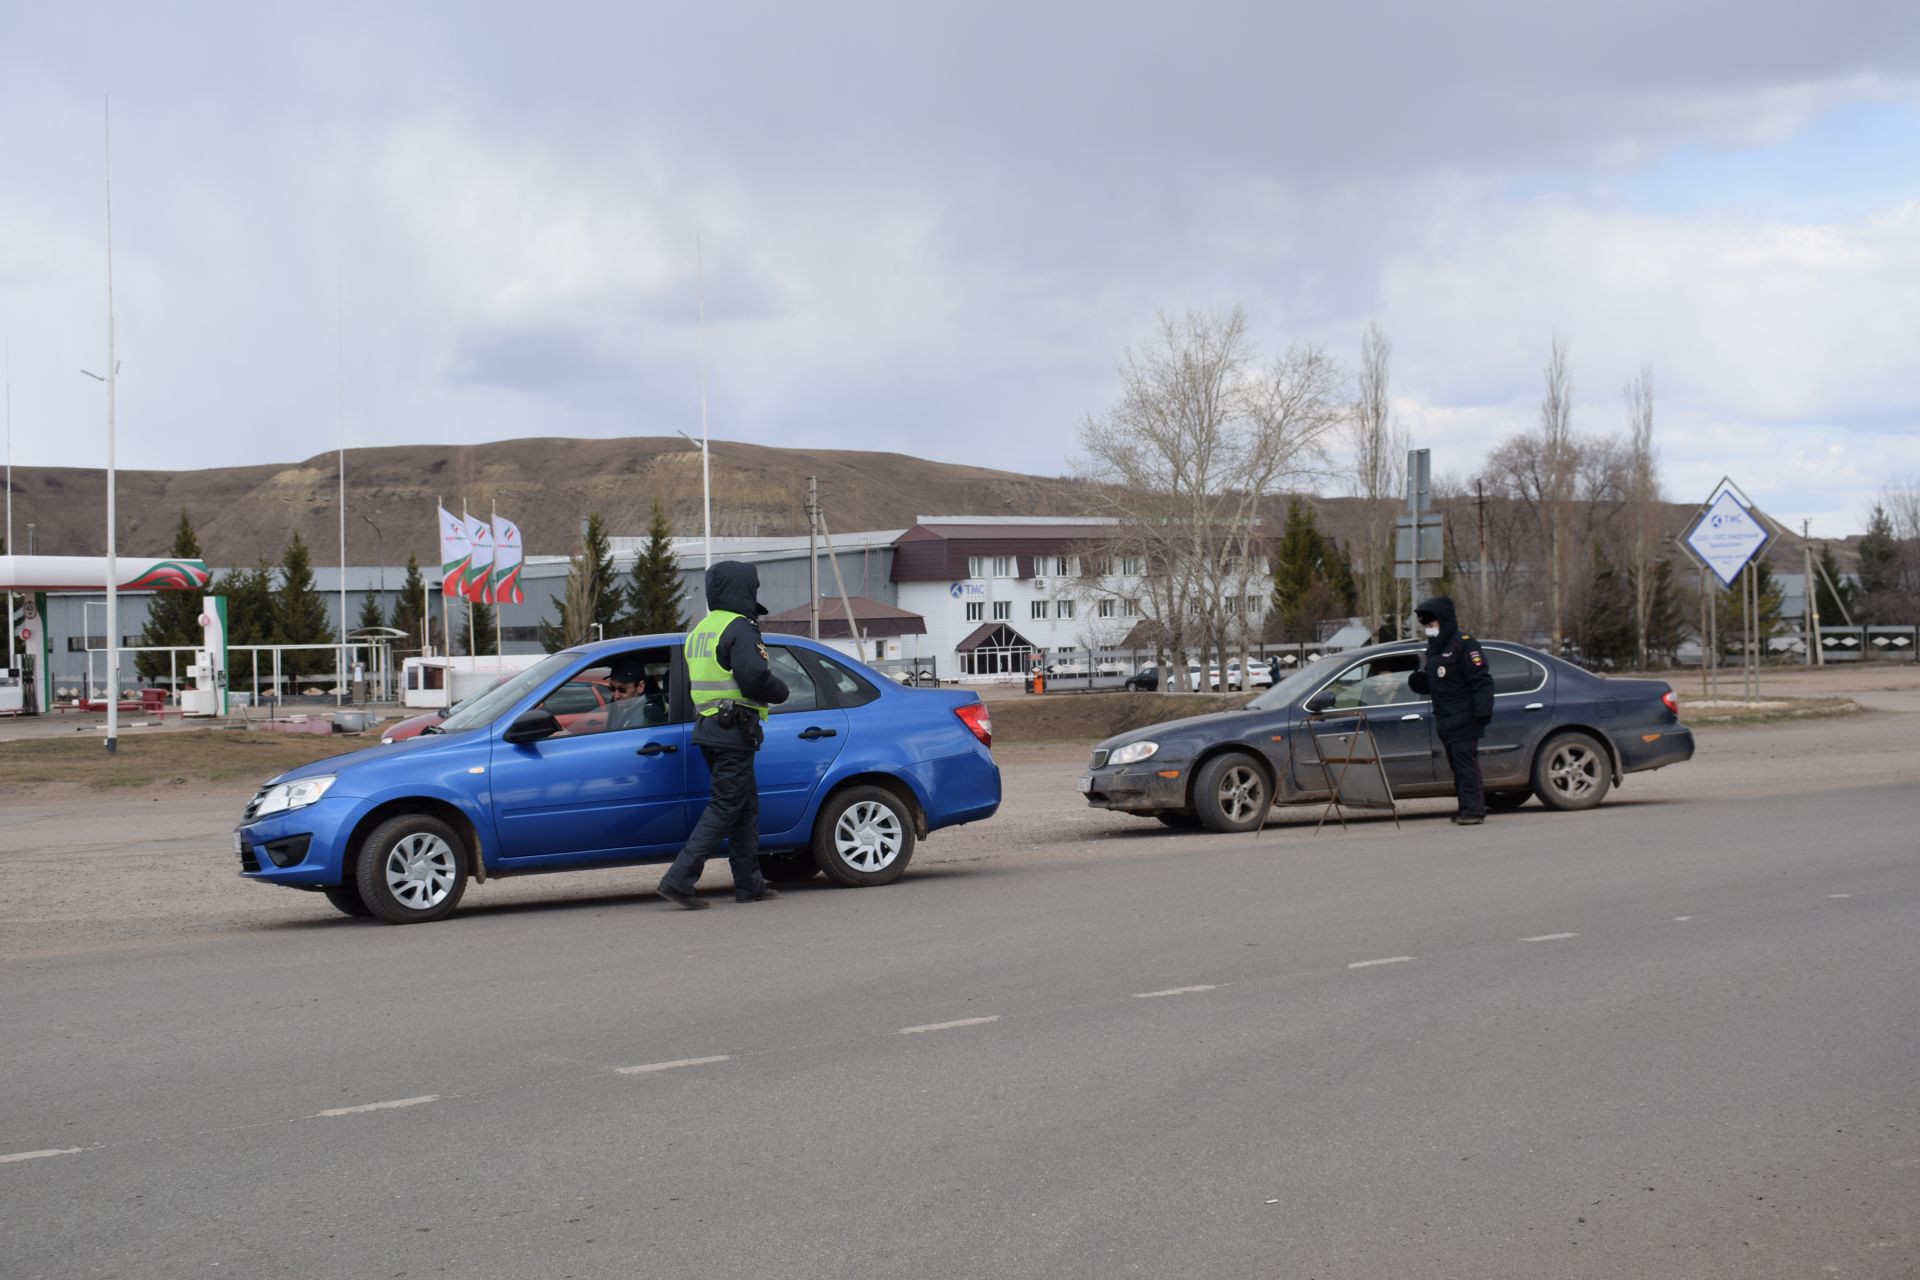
[1681, 919]
[1839, 895]
[945, 1026]
[668, 1066]
[1368, 964]
[377, 1106]
[1171, 991]
[1550, 937]
[39, 1155]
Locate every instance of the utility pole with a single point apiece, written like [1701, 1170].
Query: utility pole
[813, 557]
[1481, 621]
[1812, 611]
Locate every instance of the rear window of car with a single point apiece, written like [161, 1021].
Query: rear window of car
[847, 684]
[1513, 673]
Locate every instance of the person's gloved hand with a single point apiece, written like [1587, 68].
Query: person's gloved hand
[1417, 681]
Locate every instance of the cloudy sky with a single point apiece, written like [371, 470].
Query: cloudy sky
[935, 229]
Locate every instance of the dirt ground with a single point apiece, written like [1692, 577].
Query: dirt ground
[186, 759]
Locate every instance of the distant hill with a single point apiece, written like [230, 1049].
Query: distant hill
[547, 486]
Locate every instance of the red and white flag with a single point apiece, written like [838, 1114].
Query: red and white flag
[456, 551]
[480, 562]
[507, 557]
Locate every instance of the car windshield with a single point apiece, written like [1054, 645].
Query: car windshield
[1296, 685]
[486, 708]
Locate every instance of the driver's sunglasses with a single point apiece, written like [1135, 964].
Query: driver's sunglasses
[624, 686]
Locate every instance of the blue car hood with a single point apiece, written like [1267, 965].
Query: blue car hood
[345, 766]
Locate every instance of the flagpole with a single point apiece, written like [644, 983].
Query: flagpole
[464, 517]
[499, 647]
[12, 652]
[706, 464]
[341, 402]
[113, 370]
[446, 610]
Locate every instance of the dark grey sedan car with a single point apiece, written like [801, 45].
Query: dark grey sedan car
[1559, 733]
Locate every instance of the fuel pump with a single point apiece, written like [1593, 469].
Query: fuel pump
[207, 694]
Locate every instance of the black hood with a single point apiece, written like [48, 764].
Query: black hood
[1441, 607]
[734, 586]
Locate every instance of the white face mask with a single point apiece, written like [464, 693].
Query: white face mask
[1433, 630]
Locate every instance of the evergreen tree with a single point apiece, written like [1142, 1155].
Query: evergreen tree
[407, 614]
[1666, 615]
[1608, 629]
[1879, 570]
[1772, 598]
[656, 593]
[1834, 609]
[593, 594]
[173, 617]
[299, 614]
[1312, 577]
[249, 594]
[479, 630]
[371, 615]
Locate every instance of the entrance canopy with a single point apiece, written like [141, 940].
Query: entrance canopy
[89, 573]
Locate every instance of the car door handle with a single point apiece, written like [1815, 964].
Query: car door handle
[656, 749]
[815, 734]
[1536, 706]
[1412, 715]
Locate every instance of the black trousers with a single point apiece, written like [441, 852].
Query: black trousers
[733, 814]
[1463, 757]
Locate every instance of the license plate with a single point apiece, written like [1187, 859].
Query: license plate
[1086, 783]
[239, 845]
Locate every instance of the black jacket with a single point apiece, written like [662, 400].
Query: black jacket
[733, 586]
[1456, 677]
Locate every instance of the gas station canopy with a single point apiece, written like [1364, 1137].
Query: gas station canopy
[89, 573]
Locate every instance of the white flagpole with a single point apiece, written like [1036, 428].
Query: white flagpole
[341, 319]
[499, 648]
[113, 573]
[12, 653]
[706, 466]
[464, 517]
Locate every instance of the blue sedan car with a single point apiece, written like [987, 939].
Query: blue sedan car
[854, 770]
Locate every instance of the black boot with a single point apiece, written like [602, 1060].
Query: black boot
[681, 897]
[765, 893]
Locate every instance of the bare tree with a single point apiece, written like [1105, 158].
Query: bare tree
[1555, 475]
[1198, 439]
[1378, 446]
[1643, 500]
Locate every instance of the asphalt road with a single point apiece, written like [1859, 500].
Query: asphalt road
[1678, 1036]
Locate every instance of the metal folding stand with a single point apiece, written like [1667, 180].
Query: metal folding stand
[1365, 789]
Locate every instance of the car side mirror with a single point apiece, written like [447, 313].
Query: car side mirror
[531, 725]
[1321, 701]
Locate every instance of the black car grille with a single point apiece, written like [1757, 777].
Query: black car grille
[1099, 758]
[248, 861]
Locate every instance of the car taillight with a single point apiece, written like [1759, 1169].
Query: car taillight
[1672, 701]
[977, 718]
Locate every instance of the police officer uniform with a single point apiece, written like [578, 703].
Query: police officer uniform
[732, 688]
[1457, 679]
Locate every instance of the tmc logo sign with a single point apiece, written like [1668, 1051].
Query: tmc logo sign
[963, 590]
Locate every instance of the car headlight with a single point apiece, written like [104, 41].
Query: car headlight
[1133, 752]
[293, 795]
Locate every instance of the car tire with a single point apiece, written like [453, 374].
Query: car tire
[1507, 801]
[1572, 772]
[346, 900]
[1179, 821]
[863, 837]
[1231, 793]
[789, 868]
[412, 869]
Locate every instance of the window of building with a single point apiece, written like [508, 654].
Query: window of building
[1133, 608]
[1107, 607]
[1002, 610]
[1039, 608]
[976, 566]
[1005, 567]
[1069, 566]
[1233, 605]
[1103, 567]
[1133, 566]
[1063, 608]
[976, 610]
[1253, 605]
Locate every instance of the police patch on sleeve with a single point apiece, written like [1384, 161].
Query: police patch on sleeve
[1478, 661]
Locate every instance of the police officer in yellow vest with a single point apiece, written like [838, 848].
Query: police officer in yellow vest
[732, 687]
